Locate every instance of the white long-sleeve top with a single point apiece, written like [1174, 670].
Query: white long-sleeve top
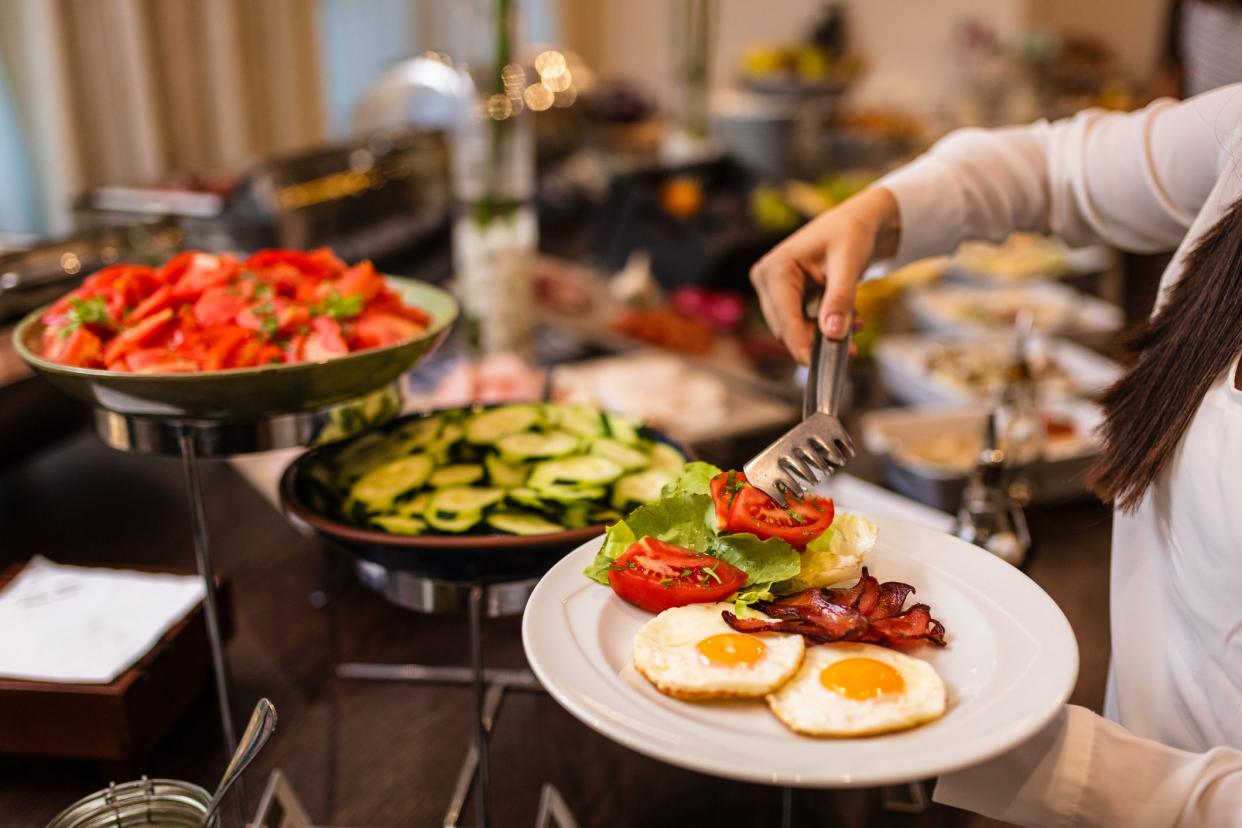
[1144, 181]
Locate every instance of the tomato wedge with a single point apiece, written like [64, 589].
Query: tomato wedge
[79, 347]
[740, 507]
[158, 360]
[324, 341]
[142, 335]
[217, 306]
[655, 575]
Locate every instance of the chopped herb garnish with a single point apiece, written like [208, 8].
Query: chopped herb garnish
[338, 306]
[667, 583]
[263, 290]
[795, 517]
[93, 311]
[712, 572]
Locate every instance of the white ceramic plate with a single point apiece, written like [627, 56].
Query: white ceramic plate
[1010, 663]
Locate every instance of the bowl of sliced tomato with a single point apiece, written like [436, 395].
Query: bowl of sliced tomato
[219, 336]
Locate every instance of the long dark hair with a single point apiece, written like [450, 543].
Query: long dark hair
[1180, 352]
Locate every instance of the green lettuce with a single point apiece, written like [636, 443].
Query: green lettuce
[696, 478]
[687, 518]
[835, 556]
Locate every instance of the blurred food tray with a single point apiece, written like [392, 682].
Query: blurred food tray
[921, 369]
[928, 451]
[687, 399]
[1055, 308]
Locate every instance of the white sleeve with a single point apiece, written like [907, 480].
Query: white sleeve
[1084, 770]
[1133, 180]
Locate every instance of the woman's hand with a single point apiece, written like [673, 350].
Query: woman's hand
[832, 250]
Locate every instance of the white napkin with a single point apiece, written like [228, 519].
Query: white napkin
[86, 624]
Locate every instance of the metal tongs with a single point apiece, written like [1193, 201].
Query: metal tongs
[819, 443]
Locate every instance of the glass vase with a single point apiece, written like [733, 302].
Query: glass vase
[496, 233]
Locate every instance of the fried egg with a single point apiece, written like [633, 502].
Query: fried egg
[691, 653]
[858, 690]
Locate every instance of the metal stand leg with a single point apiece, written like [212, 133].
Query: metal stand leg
[483, 789]
[211, 612]
[786, 807]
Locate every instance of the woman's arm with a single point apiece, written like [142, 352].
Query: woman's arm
[1084, 770]
[1134, 180]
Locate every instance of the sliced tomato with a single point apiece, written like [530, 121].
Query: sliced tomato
[390, 302]
[307, 264]
[360, 280]
[324, 340]
[158, 360]
[202, 271]
[158, 300]
[376, 328]
[218, 306]
[254, 351]
[79, 347]
[655, 575]
[142, 335]
[798, 523]
[725, 488]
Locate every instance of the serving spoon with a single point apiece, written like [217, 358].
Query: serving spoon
[260, 728]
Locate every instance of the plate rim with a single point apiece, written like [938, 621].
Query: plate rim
[1062, 639]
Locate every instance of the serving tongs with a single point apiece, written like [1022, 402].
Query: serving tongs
[820, 442]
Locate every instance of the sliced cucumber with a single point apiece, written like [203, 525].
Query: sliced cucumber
[415, 435]
[378, 488]
[576, 515]
[664, 456]
[506, 475]
[622, 428]
[627, 457]
[569, 494]
[580, 419]
[605, 516]
[488, 426]
[415, 506]
[453, 522]
[448, 437]
[523, 523]
[462, 474]
[643, 487]
[581, 470]
[528, 445]
[462, 500]
[525, 496]
[358, 458]
[400, 524]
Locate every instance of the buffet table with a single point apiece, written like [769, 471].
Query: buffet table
[376, 753]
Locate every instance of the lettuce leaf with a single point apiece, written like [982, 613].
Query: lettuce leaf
[696, 478]
[689, 521]
[765, 561]
[835, 556]
[686, 520]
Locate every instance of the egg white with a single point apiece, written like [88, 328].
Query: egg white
[805, 706]
[665, 651]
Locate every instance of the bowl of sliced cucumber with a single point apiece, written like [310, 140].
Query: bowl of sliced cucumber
[484, 493]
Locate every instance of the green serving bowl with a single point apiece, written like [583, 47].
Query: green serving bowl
[247, 393]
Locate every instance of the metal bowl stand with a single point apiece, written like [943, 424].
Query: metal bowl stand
[195, 439]
[476, 600]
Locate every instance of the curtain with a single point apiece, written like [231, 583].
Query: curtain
[165, 85]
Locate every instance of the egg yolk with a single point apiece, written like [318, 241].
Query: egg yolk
[861, 678]
[731, 650]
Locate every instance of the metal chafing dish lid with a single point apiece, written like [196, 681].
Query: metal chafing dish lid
[148, 802]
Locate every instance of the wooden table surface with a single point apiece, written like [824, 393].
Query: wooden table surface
[371, 754]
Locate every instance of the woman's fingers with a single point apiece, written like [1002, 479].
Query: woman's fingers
[843, 266]
[781, 285]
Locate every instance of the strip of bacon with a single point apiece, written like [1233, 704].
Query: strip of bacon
[868, 611]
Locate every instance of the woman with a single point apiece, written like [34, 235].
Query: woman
[1169, 175]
